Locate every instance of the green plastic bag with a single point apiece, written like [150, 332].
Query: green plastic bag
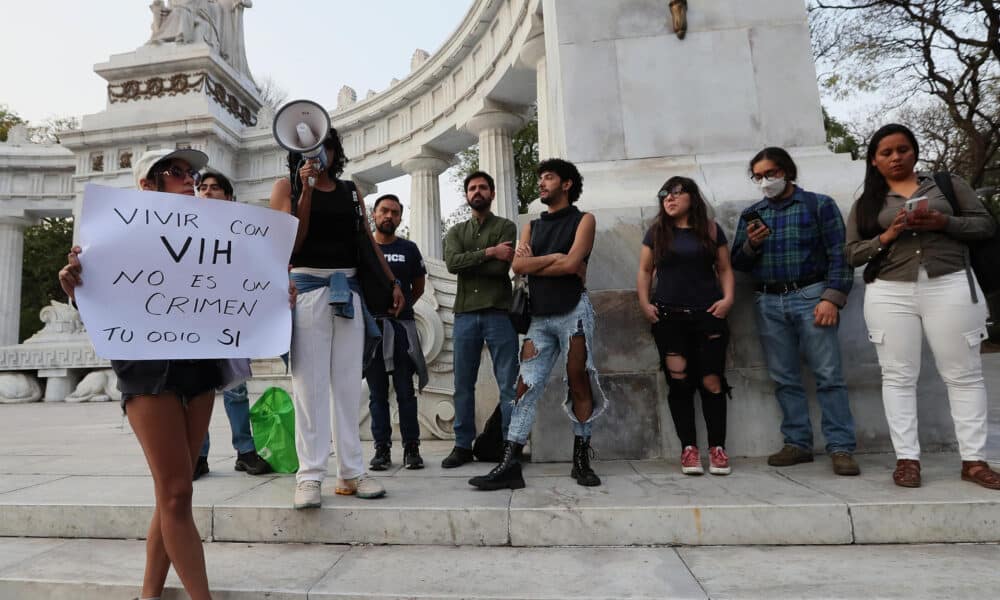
[272, 420]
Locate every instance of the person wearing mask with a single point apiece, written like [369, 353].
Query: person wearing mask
[792, 243]
[695, 288]
[920, 286]
[330, 321]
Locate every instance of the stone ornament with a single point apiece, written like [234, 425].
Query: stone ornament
[155, 87]
[346, 96]
[61, 323]
[678, 13]
[418, 59]
[216, 23]
[97, 386]
[17, 388]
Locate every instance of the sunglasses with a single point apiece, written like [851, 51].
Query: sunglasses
[677, 190]
[179, 173]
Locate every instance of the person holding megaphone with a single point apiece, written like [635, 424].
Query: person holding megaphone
[332, 326]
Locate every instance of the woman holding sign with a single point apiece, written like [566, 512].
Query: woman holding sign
[904, 227]
[329, 325]
[168, 401]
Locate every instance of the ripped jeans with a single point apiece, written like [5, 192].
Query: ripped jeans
[551, 335]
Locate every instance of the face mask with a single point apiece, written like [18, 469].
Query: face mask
[772, 188]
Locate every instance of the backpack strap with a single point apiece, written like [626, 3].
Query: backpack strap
[944, 183]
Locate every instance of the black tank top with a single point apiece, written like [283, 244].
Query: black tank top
[331, 241]
[552, 233]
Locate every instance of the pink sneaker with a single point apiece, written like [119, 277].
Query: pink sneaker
[691, 461]
[718, 461]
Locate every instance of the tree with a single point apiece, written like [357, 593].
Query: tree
[45, 247]
[839, 138]
[927, 57]
[271, 92]
[8, 119]
[525, 143]
[48, 132]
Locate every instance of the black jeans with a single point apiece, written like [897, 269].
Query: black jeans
[701, 339]
[402, 381]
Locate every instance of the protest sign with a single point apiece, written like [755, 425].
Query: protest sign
[167, 276]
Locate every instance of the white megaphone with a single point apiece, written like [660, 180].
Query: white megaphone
[302, 126]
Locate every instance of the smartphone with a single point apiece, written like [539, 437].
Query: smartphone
[917, 203]
[753, 218]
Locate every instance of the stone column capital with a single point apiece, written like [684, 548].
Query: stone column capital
[532, 51]
[496, 120]
[433, 164]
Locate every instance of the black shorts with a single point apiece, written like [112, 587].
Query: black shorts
[185, 378]
[697, 335]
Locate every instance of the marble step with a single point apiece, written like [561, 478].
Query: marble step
[89, 569]
[640, 503]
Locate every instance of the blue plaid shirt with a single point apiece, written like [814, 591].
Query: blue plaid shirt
[799, 247]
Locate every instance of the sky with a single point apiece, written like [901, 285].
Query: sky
[310, 48]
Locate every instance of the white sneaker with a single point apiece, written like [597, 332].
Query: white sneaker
[363, 487]
[307, 494]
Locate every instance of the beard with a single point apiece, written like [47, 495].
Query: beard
[479, 203]
[387, 227]
[546, 199]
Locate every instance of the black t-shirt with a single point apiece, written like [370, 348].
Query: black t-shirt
[331, 241]
[407, 264]
[685, 278]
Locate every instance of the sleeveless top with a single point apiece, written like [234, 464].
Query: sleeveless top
[551, 233]
[331, 241]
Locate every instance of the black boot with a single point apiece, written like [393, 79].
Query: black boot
[505, 475]
[582, 472]
[382, 459]
[411, 455]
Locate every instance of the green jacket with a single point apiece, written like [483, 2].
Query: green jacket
[482, 282]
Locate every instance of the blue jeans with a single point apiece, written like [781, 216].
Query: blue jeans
[470, 331]
[402, 380]
[787, 330]
[237, 404]
[551, 335]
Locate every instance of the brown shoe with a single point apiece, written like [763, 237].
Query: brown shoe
[844, 464]
[979, 471]
[790, 455]
[907, 473]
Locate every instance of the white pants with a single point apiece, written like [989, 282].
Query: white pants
[326, 369]
[955, 327]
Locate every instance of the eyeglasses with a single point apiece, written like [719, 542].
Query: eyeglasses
[179, 173]
[772, 174]
[674, 191]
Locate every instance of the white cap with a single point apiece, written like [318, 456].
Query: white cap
[140, 169]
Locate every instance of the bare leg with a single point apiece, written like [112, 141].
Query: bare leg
[579, 379]
[158, 421]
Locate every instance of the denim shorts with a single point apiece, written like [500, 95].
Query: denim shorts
[185, 378]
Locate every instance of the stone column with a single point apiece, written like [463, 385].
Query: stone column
[425, 202]
[495, 129]
[11, 257]
[533, 56]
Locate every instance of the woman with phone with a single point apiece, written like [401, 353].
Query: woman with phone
[919, 285]
[694, 292]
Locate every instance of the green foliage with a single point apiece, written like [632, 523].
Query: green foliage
[525, 143]
[839, 139]
[8, 119]
[45, 247]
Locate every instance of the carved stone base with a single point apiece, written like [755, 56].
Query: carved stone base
[97, 386]
[18, 388]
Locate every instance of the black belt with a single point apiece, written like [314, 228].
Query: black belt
[785, 287]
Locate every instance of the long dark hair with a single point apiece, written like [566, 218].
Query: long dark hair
[872, 199]
[663, 226]
[334, 154]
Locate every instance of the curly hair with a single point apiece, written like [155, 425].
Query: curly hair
[566, 171]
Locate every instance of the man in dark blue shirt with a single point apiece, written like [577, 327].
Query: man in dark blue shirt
[400, 353]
